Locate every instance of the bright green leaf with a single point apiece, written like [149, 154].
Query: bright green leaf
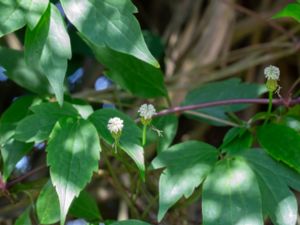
[187, 164]
[281, 142]
[27, 76]
[11, 153]
[291, 10]
[83, 108]
[132, 74]
[15, 14]
[130, 222]
[222, 90]
[131, 134]
[231, 195]
[73, 163]
[24, 218]
[11, 17]
[47, 205]
[278, 201]
[109, 23]
[11, 117]
[35, 9]
[37, 127]
[48, 45]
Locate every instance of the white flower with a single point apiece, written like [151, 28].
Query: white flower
[115, 125]
[272, 73]
[147, 111]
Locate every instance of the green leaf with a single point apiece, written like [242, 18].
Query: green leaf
[222, 90]
[73, 163]
[132, 74]
[187, 164]
[11, 17]
[273, 178]
[15, 14]
[260, 159]
[47, 205]
[231, 195]
[281, 142]
[48, 45]
[130, 222]
[11, 153]
[24, 218]
[131, 134]
[168, 125]
[35, 9]
[11, 117]
[290, 10]
[109, 23]
[37, 127]
[85, 207]
[83, 107]
[27, 76]
[236, 140]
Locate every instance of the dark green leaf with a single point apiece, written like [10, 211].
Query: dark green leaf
[11, 153]
[130, 139]
[236, 140]
[187, 164]
[281, 142]
[47, 205]
[222, 90]
[168, 125]
[85, 207]
[260, 159]
[231, 195]
[109, 23]
[73, 163]
[290, 10]
[24, 218]
[10, 118]
[130, 222]
[37, 127]
[48, 45]
[132, 74]
[15, 14]
[27, 76]
[278, 201]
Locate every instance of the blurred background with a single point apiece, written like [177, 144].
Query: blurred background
[196, 41]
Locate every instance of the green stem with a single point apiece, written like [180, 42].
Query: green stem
[144, 135]
[119, 187]
[269, 107]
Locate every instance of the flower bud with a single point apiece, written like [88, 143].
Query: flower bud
[272, 74]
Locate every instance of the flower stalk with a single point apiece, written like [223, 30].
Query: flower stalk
[146, 113]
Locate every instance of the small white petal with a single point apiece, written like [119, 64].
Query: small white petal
[115, 125]
[272, 72]
[147, 111]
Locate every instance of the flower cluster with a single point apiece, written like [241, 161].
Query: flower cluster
[115, 125]
[146, 113]
[272, 73]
